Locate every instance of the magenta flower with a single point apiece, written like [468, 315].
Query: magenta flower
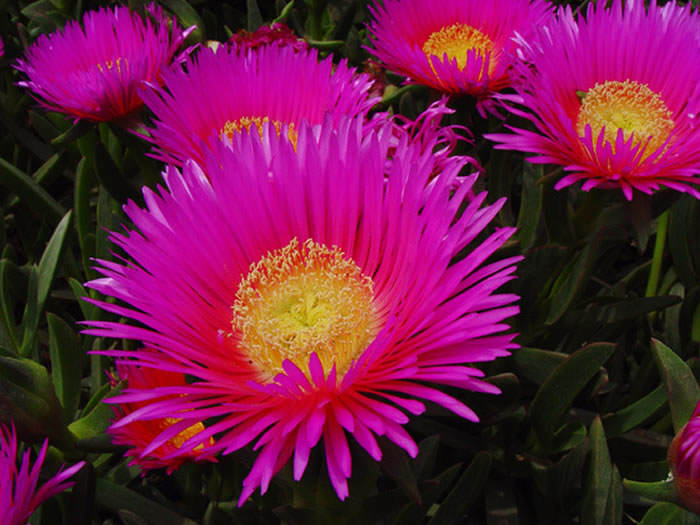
[454, 46]
[608, 100]
[277, 34]
[95, 70]
[684, 460]
[223, 92]
[310, 292]
[19, 494]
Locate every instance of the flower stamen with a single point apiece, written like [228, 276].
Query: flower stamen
[456, 41]
[245, 123]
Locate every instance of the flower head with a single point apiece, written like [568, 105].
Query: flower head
[311, 291]
[684, 459]
[139, 434]
[454, 46]
[95, 69]
[224, 92]
[613, 108]
[277, 34]
[19, 493]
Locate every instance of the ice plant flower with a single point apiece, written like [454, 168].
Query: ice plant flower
[684, 460]
[138, 435]
[310, 291]
[277, 34]
[455, 46]
[610, 106]
[94, 69]
[223, 92]
[20, 494]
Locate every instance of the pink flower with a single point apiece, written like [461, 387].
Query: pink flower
[684, 460]
[277, 34]
[608, 100]
[223, 92]
[94, 70]
[310, 292]
[19, 494]
[139, 434]
[454, 46]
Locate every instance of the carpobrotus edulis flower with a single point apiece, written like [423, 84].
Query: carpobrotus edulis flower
[225, 91]
[454, 46]
[94, 70]
[20, 493]
[608, 100]
[684, 460]
[310, 290]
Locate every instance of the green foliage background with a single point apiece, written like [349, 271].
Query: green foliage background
[606, 373]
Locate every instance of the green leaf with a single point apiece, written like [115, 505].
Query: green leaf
[465, 491]
[7, 306]
[117, 498]
[614, 508]
[396, 465]
[651, 491]
[536, 365]
[66, 364]
[599, 477]
[34, 196]
[669, 514]
[89, 311]
[96, 416]
[635, 414]
[255, 19]
[530, 205]
[81, 204]
[284, 13]
[187, 16]
[557, 393]
[681, 387]
[42, 278]
[73, 133]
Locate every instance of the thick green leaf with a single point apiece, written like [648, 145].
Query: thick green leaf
[465, 492]
[66, 364]
[44, 279]
[683, 242]
[81, 204]
[96, 416]
[613, 510]
[682, 389]
[530, 205]
[187, 17]
[635, 414]
[34, 196]
[255, 19]
[535, 364]
[597, 488]
[7, 306]
[669, 514]
[557, 393]
[117, 498]
[284, 13]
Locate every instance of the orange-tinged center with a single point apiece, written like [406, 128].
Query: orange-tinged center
[245, 123]
[630, 106]
[455, 41]
[178, 440]
[300, 299]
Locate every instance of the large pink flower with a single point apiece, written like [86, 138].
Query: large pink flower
[455, 46]
[608, 99]
[94, 70]
[20, 494]
[225, 91]
[309, 292]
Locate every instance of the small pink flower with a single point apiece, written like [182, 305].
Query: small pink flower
[95, 69]
[455, 46]
[684, 460]
[277, 34]
[20, 494]
[608, 100]
[309, 291]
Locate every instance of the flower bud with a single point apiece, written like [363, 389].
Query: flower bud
[684, 460]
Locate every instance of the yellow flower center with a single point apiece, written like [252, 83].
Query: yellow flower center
[302, 299]
[245, 123]
[111, 64]
[630, 106]
[178, 440]
[455, 41]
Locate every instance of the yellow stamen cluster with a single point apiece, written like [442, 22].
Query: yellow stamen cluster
[111, 64]
[300, 299]
[455, 41]
[630, 106]
[245, 123]
[178, 440]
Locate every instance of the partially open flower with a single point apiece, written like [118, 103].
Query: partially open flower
[20, 493]
[94, 70]
[277, 34]
[684, 460]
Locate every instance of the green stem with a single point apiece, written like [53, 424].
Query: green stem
[659, 244]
